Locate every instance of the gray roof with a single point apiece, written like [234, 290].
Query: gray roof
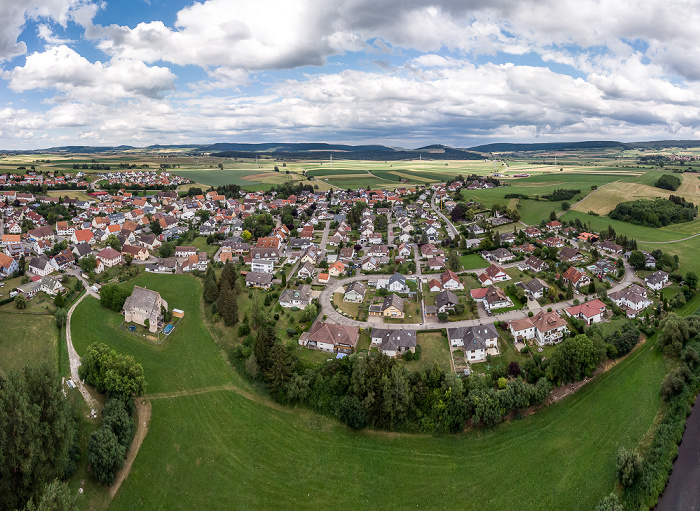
[394, 339]
[142, 298]
[446, 297]
[397, 277]
[394, 300]
[474, 337]
[357, 286]
[258, 278]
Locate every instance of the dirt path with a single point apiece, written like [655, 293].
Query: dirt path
[143, 420]
[74, 359]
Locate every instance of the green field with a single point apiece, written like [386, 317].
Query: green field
[26, 339]
[189, 358]
[226, 449]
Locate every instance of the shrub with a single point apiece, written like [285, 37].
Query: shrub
[243, 330]
[628, 466]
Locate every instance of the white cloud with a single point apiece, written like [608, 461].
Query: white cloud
[14, 13]
[63, 69]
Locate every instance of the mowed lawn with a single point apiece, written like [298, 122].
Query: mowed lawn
[187, 360]
[221, 450]
[27, 339]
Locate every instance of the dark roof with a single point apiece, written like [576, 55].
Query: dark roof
[394, 339]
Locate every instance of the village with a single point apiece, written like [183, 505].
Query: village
[389, 263]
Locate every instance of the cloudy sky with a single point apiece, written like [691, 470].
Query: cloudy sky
[404, 73]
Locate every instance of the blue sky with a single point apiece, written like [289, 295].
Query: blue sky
[402, 73]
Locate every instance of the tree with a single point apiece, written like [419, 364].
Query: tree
[211, 287]
[56, 496]
[113, 241]
[37, 433]
[691, 280]
[629, 464]
[569, 291]
[88, 263]
[128, 259]
[22, 265]
[552, 216]
[284, 278]
[228, 305]
[453, 260]
[105, 454]
[246, 235]
[20, 301]
[637, 260]
[155, 227]
[574, 359]
[565, 206]
[280, 368]
[111, 372]
[113, 297]
[167, 249]
[610, 502]
[61, 317]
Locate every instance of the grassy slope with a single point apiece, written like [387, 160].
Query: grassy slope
[187, 360]
[220, 449]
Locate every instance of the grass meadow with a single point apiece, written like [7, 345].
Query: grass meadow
[214, 442]
[228, 449]
[26, 339]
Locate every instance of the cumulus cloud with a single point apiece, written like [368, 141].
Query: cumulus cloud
[15, 13]
[62, 68]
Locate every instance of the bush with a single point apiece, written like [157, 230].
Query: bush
[628, 466]
[243, 330]
[105, 454]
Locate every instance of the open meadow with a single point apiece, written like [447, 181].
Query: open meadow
[210, 429]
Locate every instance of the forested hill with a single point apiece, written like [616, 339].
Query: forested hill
[377, 153]
[551, 146]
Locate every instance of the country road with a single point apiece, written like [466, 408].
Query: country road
[336, 317]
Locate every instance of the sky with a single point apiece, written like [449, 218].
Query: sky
[402, 73]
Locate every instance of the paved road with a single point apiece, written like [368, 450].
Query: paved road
[335, 317]
[389, 230]
[416, 256]
[324, 238]
[451, 229]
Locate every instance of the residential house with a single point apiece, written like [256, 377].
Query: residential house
[578, 278]
[450, 280]
[590, 312]
[446, 301]
[336, 269]
[436, 263]
[262, 266]
[331, 338]
[633, 299]
[83, 236]
[138, 253]
[355, 292]
[522, 329]
[306, 270]
[535, 264]
[109, 257]
[8, 265]
[259, 280]
[550, 327]
[570, 255]
[500, 255]
[392, 306]
[656, 280]
[393, 342]
[185, 251]
[475, 339]
[535, 289]
[300, 297]
[493, 274]
[42, 266]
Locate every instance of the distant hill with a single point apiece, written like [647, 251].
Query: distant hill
[665, 144]
[375, 153]
[550, 146]
[84, 149]
[276, 147]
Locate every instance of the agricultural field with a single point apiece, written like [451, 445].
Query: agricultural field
[239, 446]
[604, 200]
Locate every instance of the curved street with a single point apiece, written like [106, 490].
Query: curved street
[334, 316]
